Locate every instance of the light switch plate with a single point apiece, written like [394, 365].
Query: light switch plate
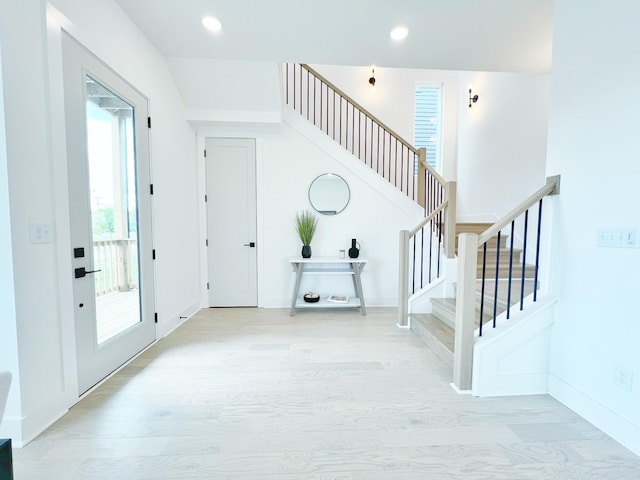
[618, 238]
[41, 232]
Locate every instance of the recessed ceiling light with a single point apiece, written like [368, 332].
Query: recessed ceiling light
[399, 33]
[212, 24]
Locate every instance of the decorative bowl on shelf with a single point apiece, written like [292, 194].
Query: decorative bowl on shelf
[311, 297]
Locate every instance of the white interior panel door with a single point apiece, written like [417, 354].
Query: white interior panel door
[231, 222]
[110, 214]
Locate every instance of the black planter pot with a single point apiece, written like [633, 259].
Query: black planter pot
[306, 251]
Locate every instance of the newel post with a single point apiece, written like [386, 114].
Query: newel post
[450, 221]
[422, 178]
[465, 310]
[403, 280]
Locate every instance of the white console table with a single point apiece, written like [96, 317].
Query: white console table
[328, 266]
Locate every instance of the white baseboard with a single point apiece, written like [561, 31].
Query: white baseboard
[460, 392]
[165, 328]
[11, 427]
[614, 425]
[22, 430]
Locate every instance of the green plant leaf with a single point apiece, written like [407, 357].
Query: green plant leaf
[306, 223]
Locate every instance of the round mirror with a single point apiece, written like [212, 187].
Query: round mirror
[329, 194]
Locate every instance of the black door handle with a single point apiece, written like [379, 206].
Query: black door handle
[250, 244]
[81, 272]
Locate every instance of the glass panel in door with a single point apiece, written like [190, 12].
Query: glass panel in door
[114, 219]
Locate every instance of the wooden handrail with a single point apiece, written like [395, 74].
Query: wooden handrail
[428, 219]
[340, 92]
[468, 278]
[433, 173]
[359, 107]
[552, 187]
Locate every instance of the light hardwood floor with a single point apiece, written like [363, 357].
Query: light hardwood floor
[255, 394]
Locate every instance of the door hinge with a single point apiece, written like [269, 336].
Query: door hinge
[155, 317]
[148, 122]
[207, 285]
[151, 188]
[205, 153]
[206, 242]
[153, 254]
[206, 199]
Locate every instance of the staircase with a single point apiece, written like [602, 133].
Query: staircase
[437, 329]
[497, 266]
[363, 135]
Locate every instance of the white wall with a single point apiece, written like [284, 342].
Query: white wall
[227, 90]
[29, 166]
[496, 151]
[502, 142]
[392, 100]
[37, 174]
[593, 144]
[513, 359]
[8, 330]
[374, 216]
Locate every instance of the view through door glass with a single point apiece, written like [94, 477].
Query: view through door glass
[114, 222]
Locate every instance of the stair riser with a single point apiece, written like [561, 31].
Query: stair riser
[476, 228]
[432, 342]
[503, 272]
[446, 315]
[492, 243]
[492, 255]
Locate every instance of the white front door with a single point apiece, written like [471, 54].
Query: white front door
[110, 214]
[231, 222]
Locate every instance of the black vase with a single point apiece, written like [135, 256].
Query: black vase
[306, 251]
[354, 251]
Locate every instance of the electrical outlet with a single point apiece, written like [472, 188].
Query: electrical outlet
[623, 377]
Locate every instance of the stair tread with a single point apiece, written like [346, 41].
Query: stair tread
[472, 227]
[444, 309]
[447, 307]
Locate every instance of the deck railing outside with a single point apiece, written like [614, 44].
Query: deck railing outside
[117, 261]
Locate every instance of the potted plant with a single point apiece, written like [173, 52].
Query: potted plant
[306, 223]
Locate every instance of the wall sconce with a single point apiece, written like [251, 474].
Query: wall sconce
[372, 79]
[472, 98]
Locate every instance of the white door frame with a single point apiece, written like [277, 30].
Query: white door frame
[244, 248]
[122, 348]
[203, 133]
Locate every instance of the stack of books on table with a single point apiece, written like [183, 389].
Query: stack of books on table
[337, 299]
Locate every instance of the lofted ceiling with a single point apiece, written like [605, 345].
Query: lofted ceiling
[481, 35]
